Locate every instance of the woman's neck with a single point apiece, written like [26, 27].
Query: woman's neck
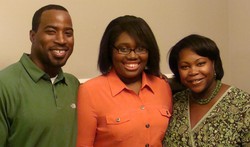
[135, 86]
[133, 83]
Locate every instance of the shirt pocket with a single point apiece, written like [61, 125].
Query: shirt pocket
[166, 115]
[119, 126]
[165, 112]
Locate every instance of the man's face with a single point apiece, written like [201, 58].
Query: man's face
[53, 42]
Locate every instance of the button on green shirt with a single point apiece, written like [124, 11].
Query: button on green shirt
[33, 111]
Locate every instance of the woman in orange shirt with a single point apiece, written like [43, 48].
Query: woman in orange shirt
[129, 105]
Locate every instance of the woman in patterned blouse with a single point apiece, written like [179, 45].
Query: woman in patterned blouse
[208, 113]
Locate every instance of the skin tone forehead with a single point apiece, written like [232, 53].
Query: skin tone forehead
[187, 55]
[56, 18]
[125, 39]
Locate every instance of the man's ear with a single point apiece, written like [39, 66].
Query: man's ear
[32, 35]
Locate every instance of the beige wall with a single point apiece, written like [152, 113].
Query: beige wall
[239, 43]
[225, 21]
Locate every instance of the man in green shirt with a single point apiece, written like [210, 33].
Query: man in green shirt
[37, 99]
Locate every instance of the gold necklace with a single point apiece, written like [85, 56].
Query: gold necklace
[204, 101]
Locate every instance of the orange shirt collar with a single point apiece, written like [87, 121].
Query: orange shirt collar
[116, 85]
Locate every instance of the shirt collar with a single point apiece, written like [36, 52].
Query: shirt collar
[36, 73]
[116, 85]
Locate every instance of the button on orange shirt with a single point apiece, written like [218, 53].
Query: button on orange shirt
[112, 115]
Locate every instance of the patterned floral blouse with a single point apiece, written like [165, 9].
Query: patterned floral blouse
[226, 124]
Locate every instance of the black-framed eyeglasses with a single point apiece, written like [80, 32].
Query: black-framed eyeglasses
[126, 51]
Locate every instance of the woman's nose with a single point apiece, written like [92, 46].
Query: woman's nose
[193, 70]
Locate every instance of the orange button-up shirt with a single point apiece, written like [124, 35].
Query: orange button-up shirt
[112, 115]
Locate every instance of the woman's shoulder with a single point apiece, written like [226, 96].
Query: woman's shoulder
[157, 79]
[238, 93]
[96, 81]
[181, 96]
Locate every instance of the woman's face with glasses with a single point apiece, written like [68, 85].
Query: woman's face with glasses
[129, 60]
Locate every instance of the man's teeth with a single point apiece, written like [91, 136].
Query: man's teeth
[59, 51]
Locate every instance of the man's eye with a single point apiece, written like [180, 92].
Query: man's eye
[69, 33]
[50, 32]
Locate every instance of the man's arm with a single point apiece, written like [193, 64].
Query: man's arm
[3, 123]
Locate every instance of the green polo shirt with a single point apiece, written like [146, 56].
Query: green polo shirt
[33, 111]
